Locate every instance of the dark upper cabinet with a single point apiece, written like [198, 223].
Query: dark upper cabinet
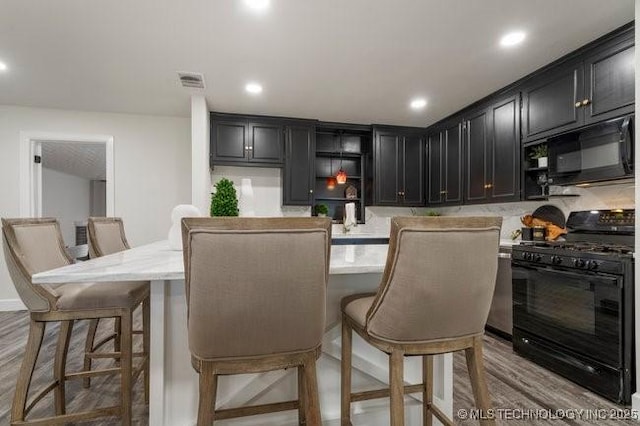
[399, 161]
[299, 170]
[478, 153]
[551, 102]
[597, 85]
[610, 82]
[445, 156]
[246, 141]
[504, 174]
[492, 147]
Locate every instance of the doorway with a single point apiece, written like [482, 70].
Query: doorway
[69, 177]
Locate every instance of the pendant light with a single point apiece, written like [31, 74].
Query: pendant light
[331, 181]
[341, 177]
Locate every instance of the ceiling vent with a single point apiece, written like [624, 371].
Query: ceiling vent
[192, 80]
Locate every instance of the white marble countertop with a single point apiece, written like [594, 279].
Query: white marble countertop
[156, 261]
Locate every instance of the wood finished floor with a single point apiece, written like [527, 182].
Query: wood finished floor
[514, 382]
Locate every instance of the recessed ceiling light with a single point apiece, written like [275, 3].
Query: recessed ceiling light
[257, 4]
[418, 103]
[253, 88]
[3, 66]
[511, 39]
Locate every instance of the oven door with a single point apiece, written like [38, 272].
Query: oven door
[578, 310]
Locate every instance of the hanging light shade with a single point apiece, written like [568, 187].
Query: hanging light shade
[331, 182]
[341, 177]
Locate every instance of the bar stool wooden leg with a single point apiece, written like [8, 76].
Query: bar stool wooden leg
[207, 401]
[60, 364]
[34, 342]
[146, 319]
[126, 349]
[475, 366]
[302, 397]
[312, 414]
[345, 376]
[88, 347]
[427, 394]
[117, 330]
[396, 387]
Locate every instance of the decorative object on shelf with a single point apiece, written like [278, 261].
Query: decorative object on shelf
[321, 210]
[247, 199]
[351, 192]
[543, 181]
[175, 232]
[224, 202]
[540, 153]
[349, 220]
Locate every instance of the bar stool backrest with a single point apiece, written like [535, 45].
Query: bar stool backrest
[106, 236]
[439, 279]
[30, 246]
[255, 286]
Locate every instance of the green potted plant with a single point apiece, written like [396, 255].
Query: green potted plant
[321, 210]
[540, 153]
[224, 202]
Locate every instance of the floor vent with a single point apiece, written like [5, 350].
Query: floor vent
[192, 80]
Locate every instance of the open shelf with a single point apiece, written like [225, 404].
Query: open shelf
[536, 169]
[546, 197]
[337, 199]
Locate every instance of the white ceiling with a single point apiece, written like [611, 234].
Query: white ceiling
[86, 160]
[335, 60]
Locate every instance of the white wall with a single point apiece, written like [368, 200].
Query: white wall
[152, 166]
[66, 198]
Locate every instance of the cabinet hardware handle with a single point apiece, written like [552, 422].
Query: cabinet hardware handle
[578, 104]
[311, 191]
[586, 102]
[443, 192]
[487, 186]
[246, 148]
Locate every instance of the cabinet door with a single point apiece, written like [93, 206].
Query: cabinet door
[610, 82]
[388, 163]
[452, 140]
[435, 155]
[267, 145]
[551, 103]
[299, 165]
[477, 157]
[505, 176]
[229, 140]
[413, 177]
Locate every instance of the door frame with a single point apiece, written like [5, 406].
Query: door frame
[31, 173]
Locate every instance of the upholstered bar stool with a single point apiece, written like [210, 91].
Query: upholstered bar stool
[256, 296]
[105, 236]
[434, 298]
[36, 245]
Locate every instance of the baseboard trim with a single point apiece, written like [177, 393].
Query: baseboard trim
[12, 305]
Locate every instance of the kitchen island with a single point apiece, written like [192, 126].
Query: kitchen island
[174, 384]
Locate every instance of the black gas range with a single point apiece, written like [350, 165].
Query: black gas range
[573, 302]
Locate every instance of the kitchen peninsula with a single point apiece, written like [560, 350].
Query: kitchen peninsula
[174, 384]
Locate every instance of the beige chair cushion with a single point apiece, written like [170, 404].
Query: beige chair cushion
[108, 237]
[103, 295]
[357, 309]
[438, 280]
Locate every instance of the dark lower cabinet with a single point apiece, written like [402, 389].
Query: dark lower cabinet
[399, 158]
[299, 170]
[444, 162]
[246, 141]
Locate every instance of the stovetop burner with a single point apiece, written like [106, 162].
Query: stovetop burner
[582, 246]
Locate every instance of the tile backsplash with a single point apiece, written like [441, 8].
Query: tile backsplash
[267, 186]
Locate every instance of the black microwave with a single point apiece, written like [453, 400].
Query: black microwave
[597, 153]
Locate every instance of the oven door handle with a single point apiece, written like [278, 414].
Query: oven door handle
[590, 276]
